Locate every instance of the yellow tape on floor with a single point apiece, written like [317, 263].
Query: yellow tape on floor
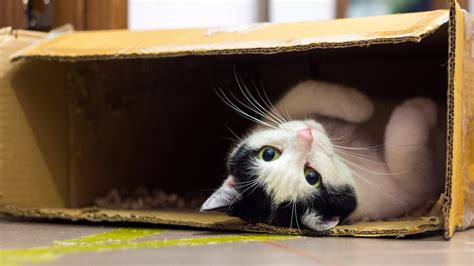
[122, 238]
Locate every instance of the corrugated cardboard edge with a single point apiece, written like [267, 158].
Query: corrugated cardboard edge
[42, 37]
[265, 47]
[454, 188]
[223, 222]
[296, 48]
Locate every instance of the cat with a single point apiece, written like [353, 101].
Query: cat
[310, 162]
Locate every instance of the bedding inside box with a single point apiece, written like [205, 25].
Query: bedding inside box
[158, 122]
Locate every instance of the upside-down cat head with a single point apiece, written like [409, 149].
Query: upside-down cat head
[287, 176]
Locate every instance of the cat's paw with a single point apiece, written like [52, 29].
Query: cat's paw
[422, 108]
[329, 99]
[361, 108]
[317, 222]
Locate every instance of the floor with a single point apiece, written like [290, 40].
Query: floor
[45, 243]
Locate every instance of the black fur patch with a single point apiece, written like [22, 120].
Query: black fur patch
[240, 164]
[256, 206]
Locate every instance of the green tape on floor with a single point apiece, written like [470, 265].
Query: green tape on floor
[121, 235]
[116, 239]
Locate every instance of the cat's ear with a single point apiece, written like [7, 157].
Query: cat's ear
[317, 223]
[225, 196]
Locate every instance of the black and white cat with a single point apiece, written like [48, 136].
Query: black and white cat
[318, 168]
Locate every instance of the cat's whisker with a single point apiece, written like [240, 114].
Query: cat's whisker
[268, 103]
[378, 188]
[253, 190]
[253, 185]
[229, 138]
[229, 103]
[256, 107]
[291, 217]
[361, 148]
[339, 137]
[353, 156]
[246, 182]
[233, 133]
[360, 157]
[242, 184]
[288, 114]
[296, 216]
[361, 154]
[245, 185]
[242, 194]
[259, 106]
[268, 108]
[240, 111]
[371, 172]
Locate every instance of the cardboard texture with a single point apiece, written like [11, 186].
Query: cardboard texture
[458, 207]
[62, 100]
[256, 38]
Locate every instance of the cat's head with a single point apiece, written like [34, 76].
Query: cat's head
[286, 176]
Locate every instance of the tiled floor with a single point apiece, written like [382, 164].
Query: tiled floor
[41, 243]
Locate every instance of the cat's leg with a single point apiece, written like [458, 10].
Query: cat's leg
[326, 99]
[407, 151]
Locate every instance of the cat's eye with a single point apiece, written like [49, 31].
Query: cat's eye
[312, 177]
[269, 153]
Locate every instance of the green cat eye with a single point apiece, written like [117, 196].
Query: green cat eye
[269, 153]
[312, 177]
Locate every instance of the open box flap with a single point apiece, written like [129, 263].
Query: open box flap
[255, 38]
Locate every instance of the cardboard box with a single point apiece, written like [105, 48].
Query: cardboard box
[84, 112]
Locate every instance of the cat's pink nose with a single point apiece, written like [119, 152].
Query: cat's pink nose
[305, 134]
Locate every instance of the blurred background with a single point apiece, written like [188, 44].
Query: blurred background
[158, 14]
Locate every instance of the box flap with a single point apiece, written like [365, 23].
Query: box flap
[23, 165]
[398, 228]
[256, 38]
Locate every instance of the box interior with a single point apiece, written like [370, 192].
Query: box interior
[157, 122]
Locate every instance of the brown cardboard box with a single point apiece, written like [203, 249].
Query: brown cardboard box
[84, 112]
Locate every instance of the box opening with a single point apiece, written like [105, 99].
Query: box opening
[157, 122]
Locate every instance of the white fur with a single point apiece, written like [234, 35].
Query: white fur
[314, 221]
[284, 178]
[389, 181]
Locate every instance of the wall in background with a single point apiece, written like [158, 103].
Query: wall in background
[11, 14]
[159, 14]
[47, 14]
[154, 14]
[300, 10]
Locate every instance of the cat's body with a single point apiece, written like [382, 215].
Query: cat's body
[338, 159]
